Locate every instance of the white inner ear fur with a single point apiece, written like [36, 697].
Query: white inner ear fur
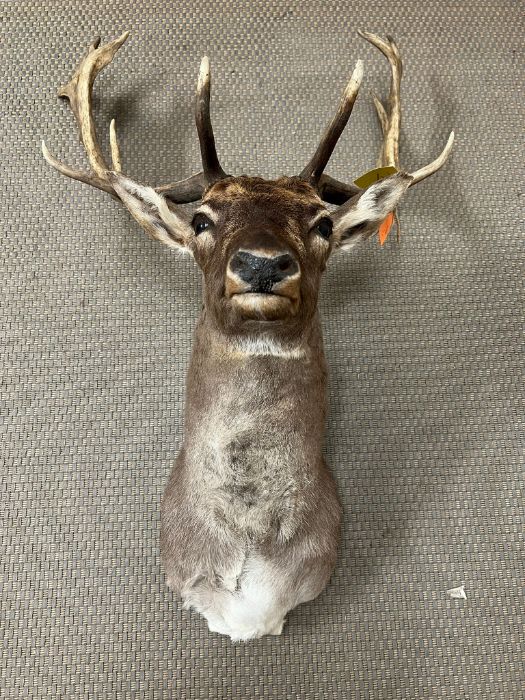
[371, 208]
[151, 211]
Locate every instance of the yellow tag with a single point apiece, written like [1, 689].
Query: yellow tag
[374, 176]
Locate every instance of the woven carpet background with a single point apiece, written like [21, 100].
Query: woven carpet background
[424, 340]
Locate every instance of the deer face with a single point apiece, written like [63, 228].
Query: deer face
[262, 246]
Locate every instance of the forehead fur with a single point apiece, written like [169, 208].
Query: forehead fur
[284, 193]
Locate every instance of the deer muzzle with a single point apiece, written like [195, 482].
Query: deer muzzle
[263, 282]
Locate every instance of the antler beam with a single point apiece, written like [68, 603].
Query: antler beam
[390, 116]
[78, 91]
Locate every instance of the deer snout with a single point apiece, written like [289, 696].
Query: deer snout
[262, 273]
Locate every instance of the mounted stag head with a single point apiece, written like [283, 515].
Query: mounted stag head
[250, 516]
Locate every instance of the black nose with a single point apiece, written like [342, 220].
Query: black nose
[262, 272]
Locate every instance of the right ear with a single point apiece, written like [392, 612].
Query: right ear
[150, 209]
[360, 217]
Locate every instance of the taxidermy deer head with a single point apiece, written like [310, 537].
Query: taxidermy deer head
[250, 517]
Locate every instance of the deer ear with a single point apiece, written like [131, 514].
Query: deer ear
[150, 209]
[360, 217]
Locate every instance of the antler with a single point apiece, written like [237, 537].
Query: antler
[337, 192]
[390, 117]
[79, 92]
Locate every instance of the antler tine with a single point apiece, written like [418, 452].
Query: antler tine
[313, 171]
[211, 167]
[436, 164]
[75, 174]
[381, 114]
[192, 188]
[115, 150]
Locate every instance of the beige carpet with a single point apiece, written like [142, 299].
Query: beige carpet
[424, 341]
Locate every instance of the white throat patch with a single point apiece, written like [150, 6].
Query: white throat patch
[267, 346]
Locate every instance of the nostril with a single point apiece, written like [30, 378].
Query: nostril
[242, 265]
[285, 265]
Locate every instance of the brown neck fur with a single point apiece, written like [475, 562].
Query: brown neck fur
[240, 371]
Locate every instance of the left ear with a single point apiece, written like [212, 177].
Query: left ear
[150, 209]
[360, 217]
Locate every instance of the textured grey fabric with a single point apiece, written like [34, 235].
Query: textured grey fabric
[424, 340]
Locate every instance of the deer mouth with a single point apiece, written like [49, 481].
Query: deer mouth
[264, 306]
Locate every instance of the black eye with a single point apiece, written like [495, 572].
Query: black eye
[201, 223]
[324, 227]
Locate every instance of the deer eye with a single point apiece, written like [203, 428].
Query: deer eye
[201, 223]
[324, 227]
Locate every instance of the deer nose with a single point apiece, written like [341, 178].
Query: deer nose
[262, 272]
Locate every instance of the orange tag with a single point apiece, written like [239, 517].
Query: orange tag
[385, 227]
